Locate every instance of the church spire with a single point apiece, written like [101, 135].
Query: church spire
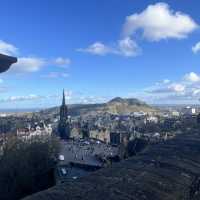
[63, 101]
[63, 125]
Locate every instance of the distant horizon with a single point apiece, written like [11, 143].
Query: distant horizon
[125, 51]
[36, 109]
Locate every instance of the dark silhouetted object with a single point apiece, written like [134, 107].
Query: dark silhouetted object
[85, 130]
[63, 126]
[27, 166]
[198, 119]
[6, 62]
[136, 146]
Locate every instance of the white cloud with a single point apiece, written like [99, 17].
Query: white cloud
[166, 81]
[8, 49]
[65, 75]
[28, 64]
[125, 47]
[34, 64]
[3, 89]
[163, 82]
[172, 88]
[60, 61]
[22, 98]
[186, 90]
[196, 92]
[177, 87]
[35, 97]
[128, 47]
[50, 75]
[158, 22]
[196, 47]
[91, 99]
[192, 77]
[55, 75]
[97, 48]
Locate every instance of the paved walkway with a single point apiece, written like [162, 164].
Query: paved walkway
[86, 152]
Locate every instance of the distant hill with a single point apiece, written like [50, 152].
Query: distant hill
[115, 106]
[126, 106]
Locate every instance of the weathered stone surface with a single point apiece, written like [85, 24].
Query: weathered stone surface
[167, 171]
[6, 62]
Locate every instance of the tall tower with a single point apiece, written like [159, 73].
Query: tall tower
[63, 126]
[63, 109]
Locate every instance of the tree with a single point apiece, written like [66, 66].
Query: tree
[27, 166]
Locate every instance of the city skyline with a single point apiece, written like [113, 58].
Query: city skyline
[98, 54]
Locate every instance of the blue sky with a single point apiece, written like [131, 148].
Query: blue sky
[99, 49]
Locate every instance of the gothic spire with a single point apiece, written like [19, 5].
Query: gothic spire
[63, 101]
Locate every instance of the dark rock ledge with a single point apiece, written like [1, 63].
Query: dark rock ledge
[167, 171]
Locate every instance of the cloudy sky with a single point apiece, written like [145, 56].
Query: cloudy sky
[100, 49]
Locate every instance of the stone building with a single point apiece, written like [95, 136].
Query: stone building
[117, 138]
[101, 134]
[36, 130]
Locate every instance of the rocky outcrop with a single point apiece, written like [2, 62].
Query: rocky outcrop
[167, 171]
[117, 105]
